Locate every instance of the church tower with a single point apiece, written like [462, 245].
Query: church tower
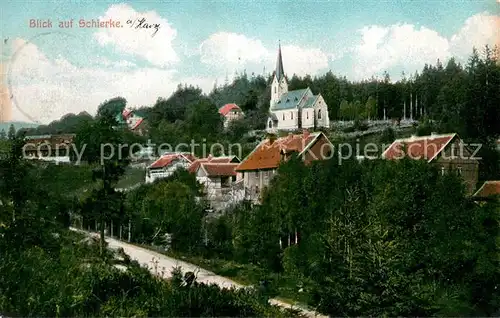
[279, 85]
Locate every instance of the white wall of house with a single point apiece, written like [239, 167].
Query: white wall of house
[232, 115]
[321, 112]
[215, 188]
[308, 118]
[256, 181]
[154, 174]
[287, 119]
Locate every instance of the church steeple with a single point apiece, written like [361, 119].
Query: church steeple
[279, 65]
[279, 85]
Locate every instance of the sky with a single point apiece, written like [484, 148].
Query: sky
[55, 71]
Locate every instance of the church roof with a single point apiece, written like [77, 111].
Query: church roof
[310, 101]
[291, 99]
[280, 73]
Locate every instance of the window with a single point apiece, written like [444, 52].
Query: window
[319, 114]
[274, 89]
[270, 124]
[283, 116]
[307, 115]
[291, 115]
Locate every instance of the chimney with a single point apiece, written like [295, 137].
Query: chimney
[272, 138]
[305, 133]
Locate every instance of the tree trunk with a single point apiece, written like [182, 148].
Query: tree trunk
[111, 228]
[129, 230]
[103, 225]
[121, 231]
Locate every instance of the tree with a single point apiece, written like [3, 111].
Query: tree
[370, 107]
[3, 135]
[345, 112]
[102, 145]
[12, 132]
[170, 208]
[112, 107]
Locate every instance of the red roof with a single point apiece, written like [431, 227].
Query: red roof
[168, 159]
[424, 147]
[126, 112]
[224, 110]
[488, 189]
[137, 123]
[219, 169]
[267, 155]
[196, 164]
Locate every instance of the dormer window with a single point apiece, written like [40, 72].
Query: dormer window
[296, 99]
[279, 102]
[287, 100]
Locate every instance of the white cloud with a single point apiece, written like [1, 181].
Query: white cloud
[477, 31]
[155, 49]
[120, 63]
[231, 51]
[47, 89]
[398, 45]
[408, 47]
[301, 61]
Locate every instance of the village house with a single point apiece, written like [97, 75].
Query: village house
[133, 120]
[167, 164]
[231, 112]
[219, 179]
[48, 147]
[447, 151]
[294, 110]
[490, 190]
[259, 167]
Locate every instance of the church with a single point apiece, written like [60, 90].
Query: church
[294, 110]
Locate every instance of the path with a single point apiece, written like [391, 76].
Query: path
[164, 263]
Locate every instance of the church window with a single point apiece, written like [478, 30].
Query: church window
[319, 113]
[270, 124]
[274, 89]
[283, 116]
[307, 115]
[291, 115]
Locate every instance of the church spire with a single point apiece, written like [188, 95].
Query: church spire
[279, 65]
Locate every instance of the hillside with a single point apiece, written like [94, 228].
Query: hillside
[17, 125]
